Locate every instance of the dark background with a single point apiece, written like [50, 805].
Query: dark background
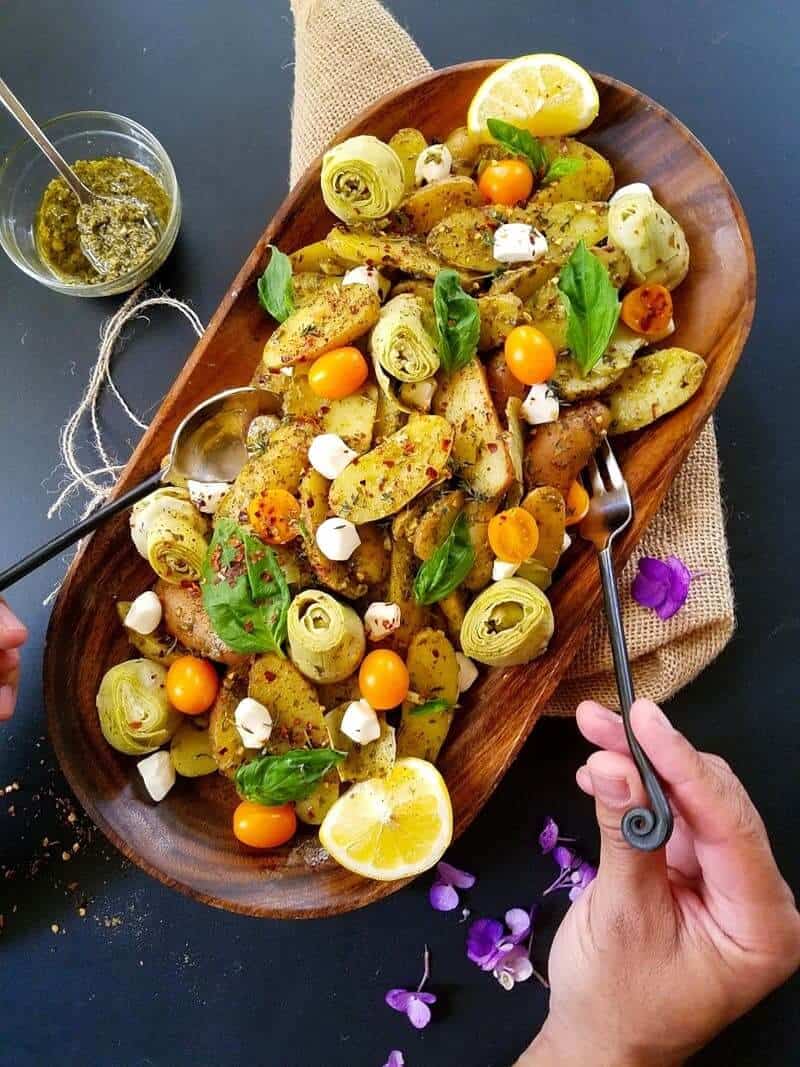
[149, 977]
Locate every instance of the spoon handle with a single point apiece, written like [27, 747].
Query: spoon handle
[75, 533]
[35, 132]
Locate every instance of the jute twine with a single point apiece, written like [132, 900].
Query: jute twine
[347, 54]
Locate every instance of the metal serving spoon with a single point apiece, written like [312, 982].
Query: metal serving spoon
[82, 192]
[210, 445]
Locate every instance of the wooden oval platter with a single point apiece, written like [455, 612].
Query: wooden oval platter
[186, 841]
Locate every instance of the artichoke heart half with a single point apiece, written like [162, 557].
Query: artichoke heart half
[135, 714]
[362, 178]
[402, 349]
[653, 241]
[510, 622]
[326, 638]
[170, 533]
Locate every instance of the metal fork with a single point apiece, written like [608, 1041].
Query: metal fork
[610, 511]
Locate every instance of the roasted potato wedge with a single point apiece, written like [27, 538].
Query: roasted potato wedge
[315, 257]
[381, 482]
[314, 510]
[557, 452]
[480, 453]
[332, 694]
[370, 561]
[408, 143]
[653, 386]
[338, 316]
[546, 504]
[567, 223]
[547, 312]
[317, 804]
[190, 750]
[373, 760]
[526, 281]
[464, 148]
[435, 522]
[433, 675]
[594, 180]
[402, 571]
[453, 610]
[499, 313]
[403, 253]
[351, 417]
[571, 384]
[502, 383]
[307, 286]
[186, 620]
[515, 439]
[425, 207]
[616, 263]
[465, 239]
[280, 465]
[226, 744]
[478, 514]
[297, 714]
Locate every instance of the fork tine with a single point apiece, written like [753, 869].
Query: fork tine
[615, 475]
[594, 477]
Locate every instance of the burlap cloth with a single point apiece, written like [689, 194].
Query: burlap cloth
[347, 54]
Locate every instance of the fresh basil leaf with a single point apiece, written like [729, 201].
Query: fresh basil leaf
[447, 568]
[592, 305]
[244, 591]
[274, 780]
[520, 142]
[458, 321]
[431, 706]
[560, 168]
[275, 286]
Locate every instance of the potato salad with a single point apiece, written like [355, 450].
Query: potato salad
[483, 309]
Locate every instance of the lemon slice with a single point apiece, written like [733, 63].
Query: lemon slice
[548, 95]
[392, 827]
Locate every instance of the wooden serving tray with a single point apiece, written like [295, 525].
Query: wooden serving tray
[186, 841]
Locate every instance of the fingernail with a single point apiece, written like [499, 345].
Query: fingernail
[612, 791]
[7, 618]
[583, 778]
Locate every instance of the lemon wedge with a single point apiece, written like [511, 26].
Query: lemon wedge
[548, 95]
[392, 827]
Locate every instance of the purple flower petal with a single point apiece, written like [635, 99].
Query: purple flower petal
[398, 999]
[662, 585]
[418, 1012]
[455, 877]
[548, 838]
[442, 897]
[518, 922]
[483, 937]
[563, 856]
[426, 998]
[518, 964]
[396, 1059]
[585, 874]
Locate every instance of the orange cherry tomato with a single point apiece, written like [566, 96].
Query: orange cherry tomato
[513, 535]
[338, 373]
[506, 181]
[273, 514]
[383, 679]
[530, 356]
[192, 685]
[577, 504]
[647, 309]
[262, 827]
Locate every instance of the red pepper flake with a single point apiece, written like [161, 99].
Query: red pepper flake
[446, 444]
[388, 463]
[492, 446]
[432, 473]
[269, 676]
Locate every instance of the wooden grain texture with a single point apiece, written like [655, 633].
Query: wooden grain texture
[186, 841]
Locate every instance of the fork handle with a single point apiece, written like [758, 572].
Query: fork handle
[643, 828]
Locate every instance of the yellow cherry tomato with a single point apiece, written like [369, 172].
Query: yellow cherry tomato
[192, 685]
[530, 356]
[506, 181]
[273, 514]
[338, 373]
[262, 827]
[647, 309]
[383, 679]
[577, 504]
[513, 535]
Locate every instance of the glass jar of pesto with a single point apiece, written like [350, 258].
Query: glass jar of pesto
[115, 156]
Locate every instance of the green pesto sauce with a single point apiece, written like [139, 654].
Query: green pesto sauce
[58, 239]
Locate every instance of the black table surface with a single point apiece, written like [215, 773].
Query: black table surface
[147, 976]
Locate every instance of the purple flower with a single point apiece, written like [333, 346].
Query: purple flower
[550, 837]
[574, 873]
[396, 1059]
[662, 585]
[416, 1004]
[443, 895]
[494, 948]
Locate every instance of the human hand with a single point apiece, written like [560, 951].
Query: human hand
[13, 636]
[664, 949]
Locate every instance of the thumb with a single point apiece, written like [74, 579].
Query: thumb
[625, 873]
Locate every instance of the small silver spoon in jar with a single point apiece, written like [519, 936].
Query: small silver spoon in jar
[95, 212]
